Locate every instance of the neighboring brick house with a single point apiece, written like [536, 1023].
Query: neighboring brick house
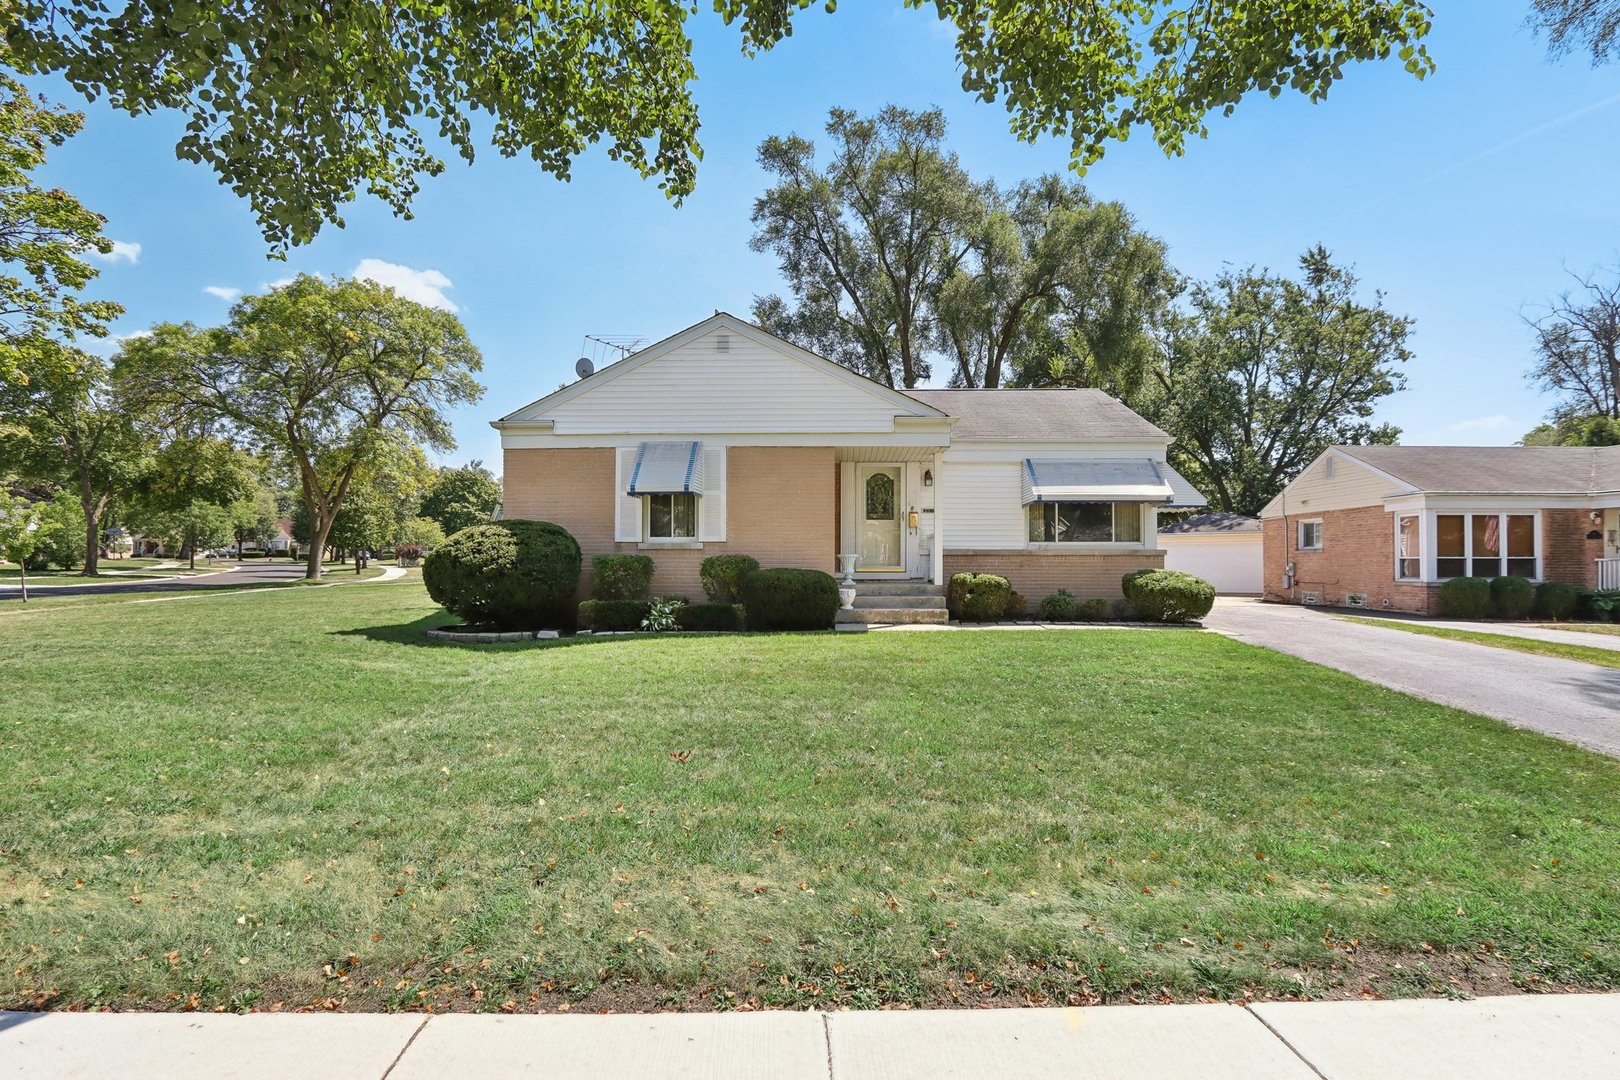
[1385, 526]
[724, 438]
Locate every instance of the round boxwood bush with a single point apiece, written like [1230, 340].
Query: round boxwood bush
[1168, 596]
[1511, 597]
[516, 575]
[1061, 606]
[1466, 598]
[621, 577]
[722, 577]
[790, 600]
[1555, 600]
[978, 597]
[1096, 610]
[710, 617]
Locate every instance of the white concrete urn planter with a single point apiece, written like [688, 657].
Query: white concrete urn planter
[846, 597]
[846, 566]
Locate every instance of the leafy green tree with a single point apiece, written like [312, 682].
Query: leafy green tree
[319, 375]
[461, 498]
[1575, 431]
[188, 528]
[22, 529]
[898, 262]
[65, 424]
[423, 532]
[384, 496]
[63, 544]
[301, 105]
[1260, 373]
[1054, 283]
[254, 518]
[44, 234]
[865, 242]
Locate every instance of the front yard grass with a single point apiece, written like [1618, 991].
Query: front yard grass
[1586, 654]
[294, 801]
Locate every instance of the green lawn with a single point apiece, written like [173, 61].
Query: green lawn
[238, 801]
[1586, 654]
[1584, 627]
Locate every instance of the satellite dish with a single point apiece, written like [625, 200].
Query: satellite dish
[583, 367]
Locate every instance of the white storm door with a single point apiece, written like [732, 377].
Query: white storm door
[880, 517]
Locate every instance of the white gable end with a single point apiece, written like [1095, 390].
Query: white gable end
[722, 376]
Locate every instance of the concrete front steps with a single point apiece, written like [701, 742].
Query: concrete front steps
[885, 603]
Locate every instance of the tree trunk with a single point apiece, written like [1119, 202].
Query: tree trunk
[92, 537]
[317, 547]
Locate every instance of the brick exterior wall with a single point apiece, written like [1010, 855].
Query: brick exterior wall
[779, 508]
[1039, 574]
[1358, 556]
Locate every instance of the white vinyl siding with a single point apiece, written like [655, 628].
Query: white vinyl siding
[1349, 486]
[981, 505]
[697, 388]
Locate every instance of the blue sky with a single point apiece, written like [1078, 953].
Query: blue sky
[1464, 198]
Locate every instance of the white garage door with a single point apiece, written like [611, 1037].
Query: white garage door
[1232, 566]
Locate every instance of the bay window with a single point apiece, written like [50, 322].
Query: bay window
[1085, 523]
[1484, 545]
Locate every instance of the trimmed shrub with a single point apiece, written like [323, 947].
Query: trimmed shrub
[1168, 596]
[1466, 598]
[1061, 606]
[1555, 600]
[790, 600]
[517, 575]
[408, 554]
[722, 577]
[1123, 610]
[599, 615]
[978, 597]
[1017, 606]
[621, 577]
[1600, 605]
[710, 617]
[1511, 597]
[1096, 610]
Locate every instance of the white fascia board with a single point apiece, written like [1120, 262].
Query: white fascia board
[1489, 502]
[524, 438]
[903, 404]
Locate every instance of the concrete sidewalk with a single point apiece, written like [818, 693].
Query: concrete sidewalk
[1570, 1037]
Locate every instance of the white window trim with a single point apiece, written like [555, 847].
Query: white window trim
[1299, 535]
[648, 540]
[1424, 532]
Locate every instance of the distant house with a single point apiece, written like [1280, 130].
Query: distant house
[1384, 526]
[726, 439]
[283, 538]
[1224, 549]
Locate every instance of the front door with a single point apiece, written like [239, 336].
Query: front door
[879, 513]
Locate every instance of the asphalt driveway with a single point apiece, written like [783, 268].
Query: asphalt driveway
[1577, 702]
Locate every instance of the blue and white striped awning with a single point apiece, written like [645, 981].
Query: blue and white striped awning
[667, 468]
[1106, 480]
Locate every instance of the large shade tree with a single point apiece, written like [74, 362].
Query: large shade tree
[460, 498]
[319, 375]
[301, 105]
[1577, 345]
[1260, 373]
[63, 421]
[899, 264]
[45, 234]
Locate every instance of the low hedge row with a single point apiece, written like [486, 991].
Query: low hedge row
[790, 599]
[1517, 598]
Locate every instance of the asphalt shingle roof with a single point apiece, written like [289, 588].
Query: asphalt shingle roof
[1037, 414]
[1216, 523]
[1497, 470]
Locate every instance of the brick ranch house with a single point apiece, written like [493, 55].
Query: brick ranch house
[726, 439]
[1385, 526]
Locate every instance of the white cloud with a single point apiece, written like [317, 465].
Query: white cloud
[280, 281]
[133, 335]
[224, 292]
[424, 286]
[1494, 422]
[121, 252]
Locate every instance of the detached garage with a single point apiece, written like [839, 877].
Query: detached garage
[1224, 549]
